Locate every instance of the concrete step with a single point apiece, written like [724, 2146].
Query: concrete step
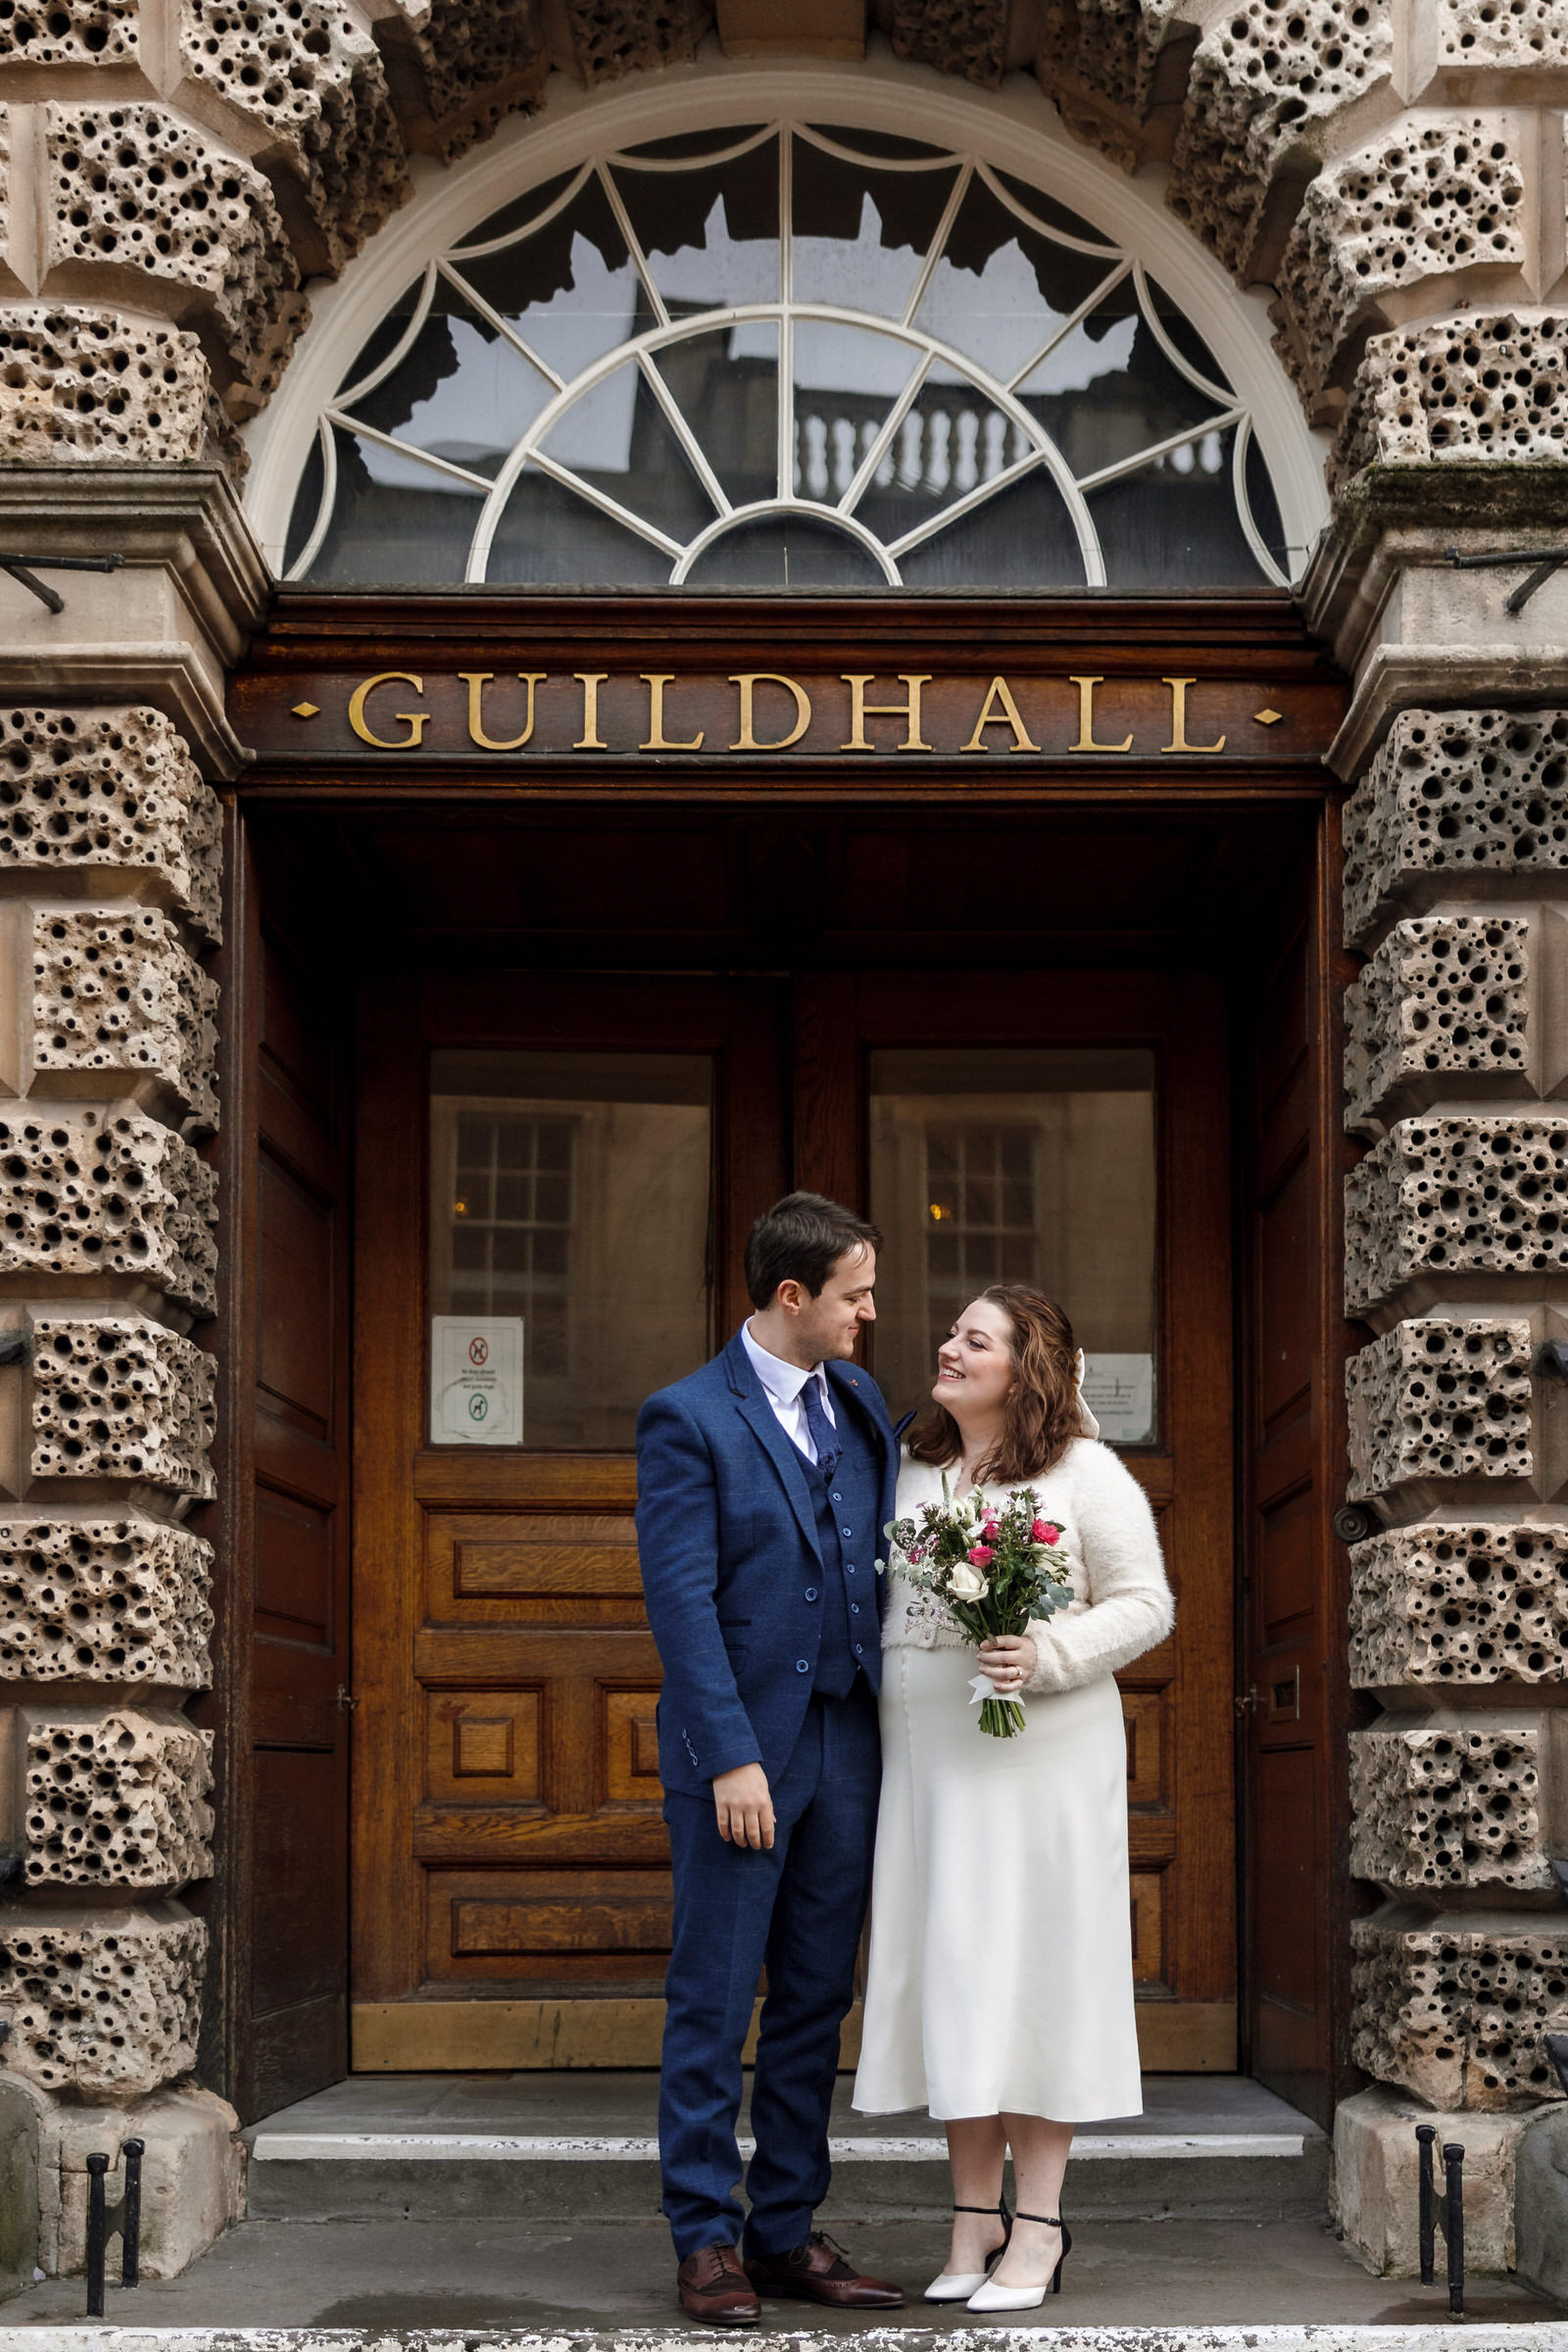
[583, 2147]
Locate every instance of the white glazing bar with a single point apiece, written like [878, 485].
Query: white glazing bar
[405, 449]
[400, 349]
[1158, 449]
[966, 505]
[633, 244]
[1243, 505]
[502, 324]
[878, 449]
[683, 432]
[308, 554]
[786, 318]
[530, 229]
[1152, 318]
[943, 160]
[1052, 236]
[766, 509]
[692, 163]
[605, 502]
[949, 213]
[1064, 327]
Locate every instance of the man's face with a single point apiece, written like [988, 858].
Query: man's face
[830, 1323]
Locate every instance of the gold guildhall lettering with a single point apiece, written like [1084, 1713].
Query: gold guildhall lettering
[414, 720]
[748, 680]
[656, 682]
[1178, 719]
[860, 711]
[1086, 719]
[476, 681]
[590, 680]
[1008, 716]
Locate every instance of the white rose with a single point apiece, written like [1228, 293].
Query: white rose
[965, 1583]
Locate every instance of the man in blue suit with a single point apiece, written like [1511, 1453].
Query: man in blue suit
[763, 1483]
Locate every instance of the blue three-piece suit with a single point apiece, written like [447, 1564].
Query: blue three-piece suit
[763, 1592]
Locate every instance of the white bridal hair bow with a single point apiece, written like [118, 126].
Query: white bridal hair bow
[1087, 1423]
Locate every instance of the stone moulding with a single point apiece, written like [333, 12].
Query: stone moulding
[115, 1798]
[104, 1599]
[1444, 1805]
[107, 2006]
[1441, 1605]
[118, 1397]
[1455, 2009]
[118, 997]
[1450, 795]
[1439, 1400]
[1477, 1195]
[1491, 385]
[111, 1191]
[1445, 996]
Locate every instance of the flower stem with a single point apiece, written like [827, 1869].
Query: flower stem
[1003, 1718]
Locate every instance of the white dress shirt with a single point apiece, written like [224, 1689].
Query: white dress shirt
[783, 1384]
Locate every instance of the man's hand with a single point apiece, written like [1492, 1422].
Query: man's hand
[743, 1805]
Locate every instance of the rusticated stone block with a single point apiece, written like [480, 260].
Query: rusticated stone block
[121, 1397]
[1444, 994]
[1455, 793]
[1455, 2009]
[117, 999]
[193, 2176]
[85, 790]
[1443, 1605]
[1502, 33]
[612, 37]
[1460, 1195]
[104, 1601]
[315, 77]
[115, 1800]
[106, 2006]
[108, 1192]
[1375, 2177]
[1108, 49]
[1439, 1399]
[478, 62]
[1449, 1806]
[143, 187]
[1433, 197]
[78, 384]
[68, 33]
[1491, 385]
[957, 36]
[1265, 76]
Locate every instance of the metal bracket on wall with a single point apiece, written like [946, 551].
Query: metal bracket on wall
[1551, 1357]
[1547, 560]
[23, 568]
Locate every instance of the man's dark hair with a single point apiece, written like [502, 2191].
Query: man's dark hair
[800, 1239]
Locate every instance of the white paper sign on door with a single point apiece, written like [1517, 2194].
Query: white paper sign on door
[476, 1380]
[1119, 1391]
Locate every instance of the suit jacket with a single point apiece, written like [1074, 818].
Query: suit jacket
[727, 1540]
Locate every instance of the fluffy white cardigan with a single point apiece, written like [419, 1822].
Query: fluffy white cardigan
[1121, 1603]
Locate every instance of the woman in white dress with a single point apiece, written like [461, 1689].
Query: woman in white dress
[1000, 1989]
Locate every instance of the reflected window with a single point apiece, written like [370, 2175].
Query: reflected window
[939, 377]
[547, 1173]
[1028, 1166]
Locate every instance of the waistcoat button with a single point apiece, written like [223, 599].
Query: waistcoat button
[802, 1666]
[810, 1591]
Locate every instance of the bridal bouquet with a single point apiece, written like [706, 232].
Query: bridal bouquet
[993, 1569]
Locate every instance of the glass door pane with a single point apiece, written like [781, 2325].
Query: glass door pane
[570, 1259]
[1032, 1166]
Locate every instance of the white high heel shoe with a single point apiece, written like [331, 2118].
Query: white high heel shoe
[988, 2296]
[957, 2286]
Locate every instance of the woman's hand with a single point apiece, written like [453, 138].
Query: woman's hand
[1010, 1661]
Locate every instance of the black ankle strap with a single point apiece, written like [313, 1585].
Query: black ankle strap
[1052, 2220]
[977, 2209]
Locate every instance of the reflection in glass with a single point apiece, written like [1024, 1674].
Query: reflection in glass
[549, 537]
[846, 382]
[1025, 1167]
[860, 235]
[617, 439]
[461, 391]
[726, 386]
[548, 1171]
[786, 550]
[710, 235]
[572, 290]
[1174, 517]
[1000, 287]
[395, 517]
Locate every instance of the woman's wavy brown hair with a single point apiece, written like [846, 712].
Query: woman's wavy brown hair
[1040, 1415]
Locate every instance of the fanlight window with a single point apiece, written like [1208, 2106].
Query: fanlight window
[787, 356]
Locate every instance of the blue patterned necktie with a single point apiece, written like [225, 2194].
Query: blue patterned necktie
[824, 1435]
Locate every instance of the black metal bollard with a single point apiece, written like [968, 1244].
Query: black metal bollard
[1441, 2209]
[104, 2221]
[1425, 2135]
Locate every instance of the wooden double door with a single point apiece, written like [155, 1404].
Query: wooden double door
[556, 1175]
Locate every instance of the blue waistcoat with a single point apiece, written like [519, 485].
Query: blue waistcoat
[846, 1533]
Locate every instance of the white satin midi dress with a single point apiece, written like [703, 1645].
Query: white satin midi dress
[1000, 1975]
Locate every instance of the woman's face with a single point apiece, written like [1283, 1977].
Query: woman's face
[974, 1363]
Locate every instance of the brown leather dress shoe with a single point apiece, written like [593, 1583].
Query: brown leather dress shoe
[714, 2287]
[822, 2273]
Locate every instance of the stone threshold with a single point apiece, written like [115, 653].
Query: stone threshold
[1438, 2336]
[269, 2146]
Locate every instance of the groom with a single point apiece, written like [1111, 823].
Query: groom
[763, 1483]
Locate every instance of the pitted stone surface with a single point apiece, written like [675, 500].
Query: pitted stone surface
[104, 1601]
[122, 1397]
[1439, 1399]
[306, 70]
[1459, 1195]
[68, 33]
[478, 61]
[958, 36]
[1501, 33]
[1106, 49]
[1439, 1604]
[115, 1800]
[1443, 994]
[1494, 385]
[141, 186]
[1266, 76]
[111, 1191]
[1456, 2014]
[1455, 791]
[110, 788]
[1443, 1807]
[80, 385]
[1429, 199]
[117, 997]
[612, 37]
[107, 2005]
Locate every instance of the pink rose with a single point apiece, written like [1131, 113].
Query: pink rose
[1046, 1531]
[988, 1526]
[980, 1556]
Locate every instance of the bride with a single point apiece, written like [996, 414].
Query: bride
[1000, 1985]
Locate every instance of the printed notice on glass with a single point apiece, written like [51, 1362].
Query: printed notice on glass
[1119, 1391]
[476, 1380]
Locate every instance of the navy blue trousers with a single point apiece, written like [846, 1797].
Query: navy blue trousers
[797, 1909]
